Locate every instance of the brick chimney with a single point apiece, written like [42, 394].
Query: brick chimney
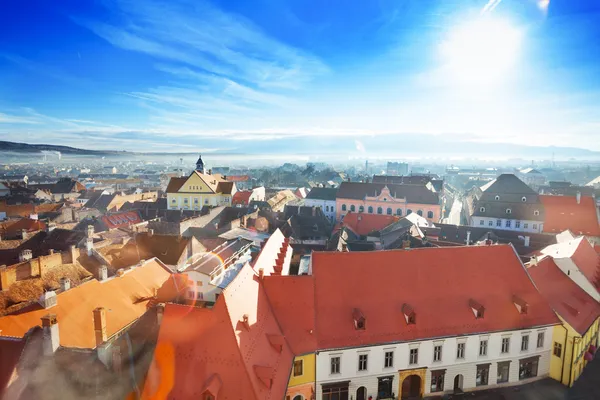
[25, 255]
[65, 284]
[50, 335]
[102, 273]
[100, 325]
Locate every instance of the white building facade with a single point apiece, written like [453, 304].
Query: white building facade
[436, 366]
[324, 198]
[507, 224]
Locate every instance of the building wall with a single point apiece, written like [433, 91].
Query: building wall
[467, 366]
[394, 205]
[196, 198]
[204, 289]
[327, 206]
[580, 347]
[532, 226]
[559, 366]
[308, 376]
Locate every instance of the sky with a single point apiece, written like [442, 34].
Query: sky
[275, 75]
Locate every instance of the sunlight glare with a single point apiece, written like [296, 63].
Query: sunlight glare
[482, 51]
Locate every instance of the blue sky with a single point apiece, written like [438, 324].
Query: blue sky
[186, 75]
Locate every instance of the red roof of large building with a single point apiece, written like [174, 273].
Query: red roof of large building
[563, 212]
[121, 219]
[363, 224]
[438, 284]
[241, 197]
[569, 301]
[233, 351]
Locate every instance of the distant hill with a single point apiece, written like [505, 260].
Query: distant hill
[37, 148]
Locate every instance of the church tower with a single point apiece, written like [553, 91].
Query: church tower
[200, 165]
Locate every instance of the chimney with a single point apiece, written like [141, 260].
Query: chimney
[50, 338]
[74, 253]
[526, 241]
[150, 232]
[100, 325]
[314, 211]
[50, 227]
[102, 273]
[468, 238]
[534, 261]
[65, 284]
[261, 273]
[578, 197]
[25, 255]
[89, 245]
[48, 299]
[90, 231]
[160, 311]
[24, 234]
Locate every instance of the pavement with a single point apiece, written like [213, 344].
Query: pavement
[545, 389]
[455, 212]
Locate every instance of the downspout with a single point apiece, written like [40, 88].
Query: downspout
[562, 369]
[571, 369]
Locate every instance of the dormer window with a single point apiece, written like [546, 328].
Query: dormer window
[523, 199]
[359, 320]
[536, 213]
[520, 304]
[508, 211]
[481, 209]
[409, 314]
[477, 308]
[497, 197]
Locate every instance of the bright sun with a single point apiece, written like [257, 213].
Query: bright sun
[482, 51]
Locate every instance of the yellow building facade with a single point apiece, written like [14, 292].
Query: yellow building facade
[569, 349]
[199, 190]
[301, 385]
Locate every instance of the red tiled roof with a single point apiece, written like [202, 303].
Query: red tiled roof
[569, 301]
[25, 210]
[363, 224]
[379, 283]
[241, 197]
[121, 219]
[125, 299]
[237, 178]
[175, 184]
[10, 353]
[214, 350]
[26, 224]
[563, 212]
[293, 301]
[588, 261]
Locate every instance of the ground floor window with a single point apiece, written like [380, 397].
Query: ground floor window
[437, 380]
[503, 371]
[528, 367]
[384, 387]
[483, 373]
[336, 391]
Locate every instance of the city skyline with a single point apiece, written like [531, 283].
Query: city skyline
[217, 76]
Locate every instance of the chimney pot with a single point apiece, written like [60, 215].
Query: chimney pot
[25, 255]
[65, 284]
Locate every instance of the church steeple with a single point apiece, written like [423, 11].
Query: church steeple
[200, 165]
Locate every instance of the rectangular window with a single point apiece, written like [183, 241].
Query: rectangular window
[336, 391]
[499, 222]
[362, 362]
[460, 351]
[195, 200]
[508, 222]
[525, 225]
[413, 356]
[185, 200]
[483, 373]
[481, 222]
[517, 224]
[557, 349]
[437, 353]
[534, 226]
[483, 345]
[298, 368]
[490, 223]
[524, 342]
[540, 340]
[528, 368]
[335, 365]
[503, 371]
[389, 359]
[505, 345]
[437, 380]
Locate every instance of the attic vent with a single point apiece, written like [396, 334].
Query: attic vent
[520, 304]
[523, 199]
[508, 211]
[536, 212]
[477, 308]
[497, 197]
[359, 320]
[481, 209]
[409, 314]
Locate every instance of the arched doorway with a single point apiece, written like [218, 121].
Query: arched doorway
[361, 393]
[458, 383]
[411, 387]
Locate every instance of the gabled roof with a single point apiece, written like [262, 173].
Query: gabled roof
[569, 301]
[201, 344]
[318, 193]
[121, 219]
[124, 298]
[363, 224]
[423, 278]
[241, 197]
[563, 212]
[175, 184]
[416, 194]
[508, 184]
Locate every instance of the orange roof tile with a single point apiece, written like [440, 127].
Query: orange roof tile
[563, 212]
[241, 197]
[380, 282]
[569, 301]
[26, 224]
[363, 224]
[124, 298]
[210, 343]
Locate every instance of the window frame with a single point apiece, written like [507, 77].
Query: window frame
[541, 337]
[483, 347]
[485, 378]
[505, 341]
[557, 348]
[525, 342]
[363, 362]
[413, 356]
[460, 350]
[298, 371]
[388, 359]
[437, 353]
[379, 210]
[335, 365]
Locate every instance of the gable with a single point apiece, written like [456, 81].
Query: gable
[195, 184]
